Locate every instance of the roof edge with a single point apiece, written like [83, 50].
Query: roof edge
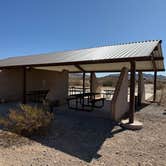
[64, 51]
[145, 58]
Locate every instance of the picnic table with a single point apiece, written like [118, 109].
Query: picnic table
[36, 96]
[87, 101]
[108, 93]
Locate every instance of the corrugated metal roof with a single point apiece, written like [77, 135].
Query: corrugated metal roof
[122, 51]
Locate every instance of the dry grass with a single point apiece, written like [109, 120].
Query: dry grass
[27, 120]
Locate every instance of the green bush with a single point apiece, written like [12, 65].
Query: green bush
[27, 120]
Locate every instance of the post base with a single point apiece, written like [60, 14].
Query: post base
[136, 125]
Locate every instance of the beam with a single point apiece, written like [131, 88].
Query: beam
[105, 71]
[24, 86]
[80, 68]
[132, 92]
[154, 86]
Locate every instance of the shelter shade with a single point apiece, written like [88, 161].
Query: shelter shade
[147, 55]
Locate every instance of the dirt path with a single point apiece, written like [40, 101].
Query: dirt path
[80, 140]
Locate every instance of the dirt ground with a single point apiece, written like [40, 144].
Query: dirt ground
[77, 139]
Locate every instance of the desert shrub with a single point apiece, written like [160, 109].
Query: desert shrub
[27, 120]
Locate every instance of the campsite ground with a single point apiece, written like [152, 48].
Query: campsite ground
[77, 139]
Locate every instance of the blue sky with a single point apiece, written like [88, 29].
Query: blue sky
[39, 26]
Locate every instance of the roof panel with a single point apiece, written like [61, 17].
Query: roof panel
[130, 50]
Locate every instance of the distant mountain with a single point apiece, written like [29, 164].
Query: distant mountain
[145, 75]
[111, 79]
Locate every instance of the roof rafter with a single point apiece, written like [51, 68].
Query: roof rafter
[79, 67]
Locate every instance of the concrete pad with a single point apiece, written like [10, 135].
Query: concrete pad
[136, 125]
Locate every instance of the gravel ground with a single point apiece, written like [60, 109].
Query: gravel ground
[76, 139]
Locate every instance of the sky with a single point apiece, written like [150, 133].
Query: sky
[41, 26]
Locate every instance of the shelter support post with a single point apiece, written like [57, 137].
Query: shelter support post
[83, 89]
[91, 81]
[132, 91]
[154, 86]
[24, 86]
[83, 83]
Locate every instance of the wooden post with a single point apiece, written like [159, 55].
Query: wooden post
[24, 86]
[83, 88]
[91, 82]
[132, 91]
[154, 86]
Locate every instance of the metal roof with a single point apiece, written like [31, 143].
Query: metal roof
[106, 58]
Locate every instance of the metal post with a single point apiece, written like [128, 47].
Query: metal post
[24, 86]
[132, 92]
[154, 86]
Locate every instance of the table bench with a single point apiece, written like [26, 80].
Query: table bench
[85, 100]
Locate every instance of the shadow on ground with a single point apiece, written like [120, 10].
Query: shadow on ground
[143, 105]
[73, 132]
[78, 135]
